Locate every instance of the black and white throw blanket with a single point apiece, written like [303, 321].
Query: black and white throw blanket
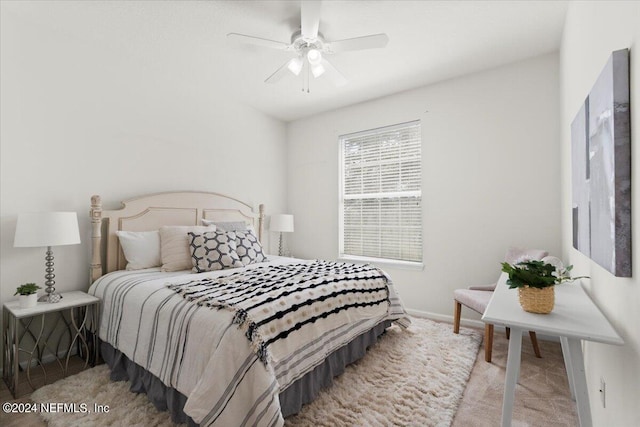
[272, 302]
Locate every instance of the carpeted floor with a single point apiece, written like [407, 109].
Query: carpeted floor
[542, 395]
[413, 377]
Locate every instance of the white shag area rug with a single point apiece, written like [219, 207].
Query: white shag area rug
[413, 377]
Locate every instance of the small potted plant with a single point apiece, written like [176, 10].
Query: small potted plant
[28, 295]
[535, 281]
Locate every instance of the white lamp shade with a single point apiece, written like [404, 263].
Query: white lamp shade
[46, 229]
[282, 223]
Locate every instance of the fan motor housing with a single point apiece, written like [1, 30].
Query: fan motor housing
[300, 44]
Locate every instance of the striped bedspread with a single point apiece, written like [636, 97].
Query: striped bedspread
[231, 340]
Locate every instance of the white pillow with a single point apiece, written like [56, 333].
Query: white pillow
[141, 248]
[555, 261]
[174, 246]
[516, 255]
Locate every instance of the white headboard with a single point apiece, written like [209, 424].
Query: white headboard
[150, 212]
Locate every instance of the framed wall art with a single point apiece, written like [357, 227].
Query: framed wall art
[601, 169]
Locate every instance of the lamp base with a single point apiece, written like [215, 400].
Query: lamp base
[51, 298]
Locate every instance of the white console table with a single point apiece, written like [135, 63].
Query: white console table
[574, 318]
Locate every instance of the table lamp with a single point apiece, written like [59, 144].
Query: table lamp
[281, 223]
[47, 229]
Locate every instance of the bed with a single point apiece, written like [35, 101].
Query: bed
[238, 337]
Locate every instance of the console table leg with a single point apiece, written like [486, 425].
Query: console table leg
[511, 377]
[574, 347]
[566, 354]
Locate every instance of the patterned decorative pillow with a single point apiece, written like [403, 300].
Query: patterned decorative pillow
[248, 247]
[215, 250]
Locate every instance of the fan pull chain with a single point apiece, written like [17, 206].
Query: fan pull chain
[306, 78]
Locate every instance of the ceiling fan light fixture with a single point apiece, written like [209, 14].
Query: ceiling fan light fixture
[314, 57]
[295, 66]
[317, 70]
[309, 48]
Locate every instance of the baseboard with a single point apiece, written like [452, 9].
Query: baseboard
[469, 323]
[47, 358]
[477, 324]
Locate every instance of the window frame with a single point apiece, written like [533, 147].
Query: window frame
[391, 262]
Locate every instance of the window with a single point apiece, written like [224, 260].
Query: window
[381, 194]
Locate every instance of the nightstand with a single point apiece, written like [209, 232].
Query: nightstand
[48, 332]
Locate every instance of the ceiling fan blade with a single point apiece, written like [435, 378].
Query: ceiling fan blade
[310, 19]
[280, 72]
[358, 43]
[333, 74]
[259, 41]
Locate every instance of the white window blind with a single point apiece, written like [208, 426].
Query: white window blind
[381, 193]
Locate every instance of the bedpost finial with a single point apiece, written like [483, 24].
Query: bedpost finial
[96, 209]
[96, 237]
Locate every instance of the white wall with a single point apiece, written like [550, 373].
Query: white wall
[491, 172]
[592, 31]
[78, 118]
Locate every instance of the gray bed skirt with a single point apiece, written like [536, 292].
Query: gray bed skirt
[297, 394]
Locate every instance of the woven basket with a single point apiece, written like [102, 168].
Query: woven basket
[537, 300]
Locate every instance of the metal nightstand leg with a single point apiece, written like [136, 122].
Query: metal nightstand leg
[36, 349]
[79, 335]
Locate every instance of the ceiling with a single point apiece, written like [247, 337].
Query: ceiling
[429, 41]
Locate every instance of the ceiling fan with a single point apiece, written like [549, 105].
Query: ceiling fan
[310, 47]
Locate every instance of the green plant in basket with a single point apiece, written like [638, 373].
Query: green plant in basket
[537, 274]
[27, 289]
